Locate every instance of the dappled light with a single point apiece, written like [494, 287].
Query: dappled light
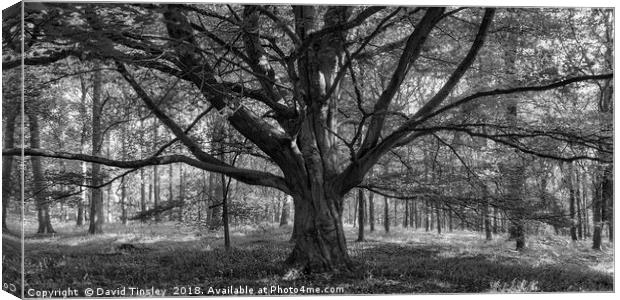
[198, 149]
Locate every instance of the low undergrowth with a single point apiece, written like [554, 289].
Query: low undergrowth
[166, 256]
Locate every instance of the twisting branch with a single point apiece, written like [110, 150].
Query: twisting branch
[193, 147]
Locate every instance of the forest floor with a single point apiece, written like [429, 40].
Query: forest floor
[170, 256]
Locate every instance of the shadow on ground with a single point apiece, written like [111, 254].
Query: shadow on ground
[384, 266]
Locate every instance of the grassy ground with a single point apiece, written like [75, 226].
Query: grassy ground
[404, 261]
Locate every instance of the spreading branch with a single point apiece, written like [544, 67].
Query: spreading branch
[244, 175]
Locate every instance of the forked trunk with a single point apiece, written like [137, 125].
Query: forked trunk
[320, 243]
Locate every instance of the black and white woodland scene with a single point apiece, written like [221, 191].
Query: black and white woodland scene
[200, 149]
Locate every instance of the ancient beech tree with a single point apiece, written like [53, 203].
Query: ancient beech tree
[293, 80]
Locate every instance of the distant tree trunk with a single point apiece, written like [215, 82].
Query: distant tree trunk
[596, 215]
[83, 195]
[205, 195]
[40, 194]
[487, 222]
[514, 169]
[225, 211]
[123, 180]
[610, 221]
[606, 106]
[181, 192]
[431, 214]
[371, 211]
[286, 208]
[414, 214]
[355, 212]
[437, 213]
[406, 216]
[215, 198]
[395, 203]
[603, 187]
[495, 224]
[450, 224]
[107, 209]
[579, 197]
[11, 112]
[96, 198]
[83, 142]
[586, 215]
[143, 180]
[411, 214]
[361, 205]
[142, 192]
[348, 212]
[170, 194]
[572, 199]
[610, 207]
[155, 172]
[123, 199]
[427, 217]
[386, 217]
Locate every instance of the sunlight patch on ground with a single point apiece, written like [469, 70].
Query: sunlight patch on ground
[403, 260]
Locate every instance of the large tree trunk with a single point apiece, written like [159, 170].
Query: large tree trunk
[320, 243]
[96, 198]
[40, 195]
